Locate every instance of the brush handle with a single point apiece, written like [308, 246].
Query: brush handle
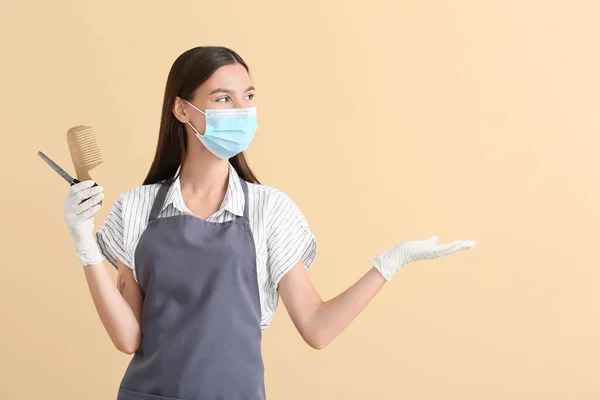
[75, 180]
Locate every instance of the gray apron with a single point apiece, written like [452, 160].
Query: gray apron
[201, 337]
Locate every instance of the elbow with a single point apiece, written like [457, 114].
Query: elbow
[127, 346]
[316, 339]
[128, 349]
[317, 344]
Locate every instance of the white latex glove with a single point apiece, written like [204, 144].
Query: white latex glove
[387, 263]
[80, 220]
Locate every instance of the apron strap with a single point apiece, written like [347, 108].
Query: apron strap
[245, 189]
[158, 201]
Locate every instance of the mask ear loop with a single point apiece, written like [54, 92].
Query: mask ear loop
[195, 130]
[194, 107]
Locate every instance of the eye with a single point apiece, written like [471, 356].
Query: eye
[248, 97]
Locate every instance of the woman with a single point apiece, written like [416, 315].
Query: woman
[203, 250]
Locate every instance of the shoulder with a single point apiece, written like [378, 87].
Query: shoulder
[276, 206]
[288, 235]
[269, 198]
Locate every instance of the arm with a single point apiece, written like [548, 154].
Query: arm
[318, 321]
[119, 307]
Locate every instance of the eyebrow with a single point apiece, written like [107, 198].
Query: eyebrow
[220, 90]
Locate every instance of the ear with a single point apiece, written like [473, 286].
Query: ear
[179, 110]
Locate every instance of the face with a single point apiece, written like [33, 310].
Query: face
[228, 87]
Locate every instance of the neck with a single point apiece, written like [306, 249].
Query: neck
[202, 172]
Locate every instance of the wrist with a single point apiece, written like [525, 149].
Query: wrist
[385, 270]
[88, 252]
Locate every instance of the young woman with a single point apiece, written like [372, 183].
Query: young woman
[203, 250]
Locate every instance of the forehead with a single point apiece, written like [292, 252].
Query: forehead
[233, 77]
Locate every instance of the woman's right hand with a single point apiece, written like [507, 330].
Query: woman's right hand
[80, 220]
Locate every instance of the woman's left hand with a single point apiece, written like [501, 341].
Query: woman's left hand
[387, 263]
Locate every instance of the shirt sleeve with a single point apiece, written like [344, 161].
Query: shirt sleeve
[289, 238]
[110, 237]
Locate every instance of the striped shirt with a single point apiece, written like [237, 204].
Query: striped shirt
[280, 231]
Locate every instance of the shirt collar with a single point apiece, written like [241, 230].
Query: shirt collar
[234, 197]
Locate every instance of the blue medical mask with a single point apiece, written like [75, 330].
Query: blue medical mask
[229, 131]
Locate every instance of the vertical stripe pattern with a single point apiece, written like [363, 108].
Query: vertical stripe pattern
[281, 233]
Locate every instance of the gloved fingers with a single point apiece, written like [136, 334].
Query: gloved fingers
[86, 193]
[91, 202]
[449, 248]
[468, 244]
[80, 186]
[89, 192]
[90, 212]
[455, 246]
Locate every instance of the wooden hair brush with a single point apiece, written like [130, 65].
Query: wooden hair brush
[84, 150]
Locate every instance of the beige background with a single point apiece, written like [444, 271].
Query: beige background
[385, 121]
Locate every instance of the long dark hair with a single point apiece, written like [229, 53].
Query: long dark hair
[189, 71]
